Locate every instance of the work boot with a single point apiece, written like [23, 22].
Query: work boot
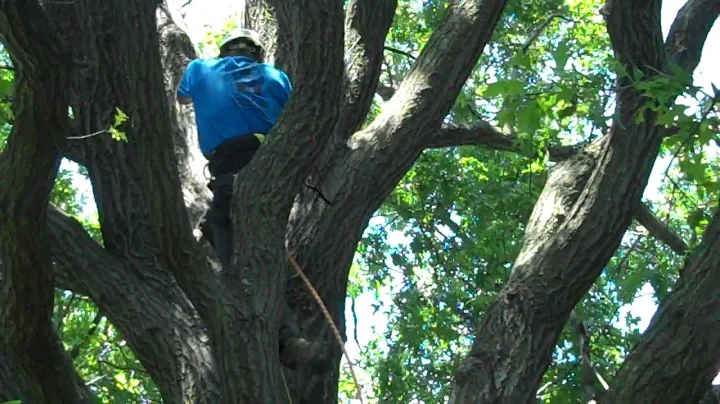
[222, 237]
[296, 351]
[206, 231]
[299, 352]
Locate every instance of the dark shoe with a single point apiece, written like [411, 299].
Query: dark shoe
[298, 353]
[207, 233]
[222, 237]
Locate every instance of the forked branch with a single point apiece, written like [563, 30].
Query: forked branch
[687, 323]
[689, 30]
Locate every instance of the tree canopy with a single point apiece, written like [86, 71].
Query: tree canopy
[496, 181]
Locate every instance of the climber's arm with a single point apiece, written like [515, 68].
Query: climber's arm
[184, 90]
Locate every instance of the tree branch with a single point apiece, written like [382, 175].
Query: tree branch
[140, 186]
[280, 167]
[312, 31]
[366, 26]
[280, 46]
[590, 373]
[484, 134]
[660, 230]
[28, 167]
[367, 167]
[686, 325]
[173, 348]
[177, 50]
[689, 30]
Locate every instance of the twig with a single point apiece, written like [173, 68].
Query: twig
[334, 328]
[590, 370]
[125, 368]
[100, 132]
[660, 230]
[400, 52]
[63, 312]
[539, 31]
[355, 321]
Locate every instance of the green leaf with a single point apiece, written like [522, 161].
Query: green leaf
[504, 87]
[561, 54]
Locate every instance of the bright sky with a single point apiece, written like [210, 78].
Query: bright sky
[210, 13]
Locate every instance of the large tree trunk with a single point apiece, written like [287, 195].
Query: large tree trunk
[209, 335]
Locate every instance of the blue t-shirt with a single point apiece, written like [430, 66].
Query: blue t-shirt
[233, 96]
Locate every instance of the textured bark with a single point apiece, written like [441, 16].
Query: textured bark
[679, 354]
[154, 316]
[575, 227]
[37, 366]
[364, 166]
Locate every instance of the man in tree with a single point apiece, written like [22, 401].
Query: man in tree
[237, 99]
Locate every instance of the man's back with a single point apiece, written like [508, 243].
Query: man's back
[233, 96]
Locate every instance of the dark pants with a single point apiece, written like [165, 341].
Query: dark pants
[226, 161]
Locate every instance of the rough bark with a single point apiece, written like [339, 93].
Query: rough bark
[575, 227]
[153, 315]
[679, 354]
[37, 366]
[364, 168]
[146, 227]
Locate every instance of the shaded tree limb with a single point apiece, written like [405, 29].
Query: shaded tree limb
[689, 31]
[137, 184]
[660, 230]
[37, 366]
[177, 50]
[367, 167]
[366, 26]
[280, 45]
[685, 326]
[590, 374]
[486, 135]
[158, 322]
[312, 30]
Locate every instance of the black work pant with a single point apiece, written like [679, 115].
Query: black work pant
[226, 161]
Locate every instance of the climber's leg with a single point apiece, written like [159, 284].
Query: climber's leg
[218, 217]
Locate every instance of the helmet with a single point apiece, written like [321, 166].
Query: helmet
[242, 33]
